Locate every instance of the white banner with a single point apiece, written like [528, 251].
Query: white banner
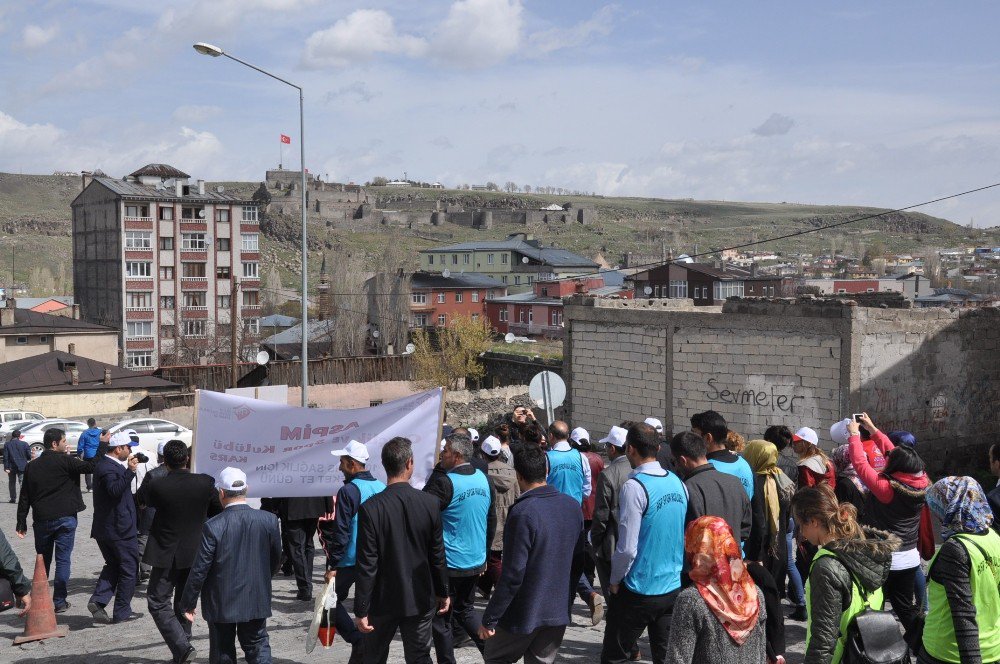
[285, 450]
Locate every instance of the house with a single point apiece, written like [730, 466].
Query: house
[287, 344]
[956, 298]
[73, 385]
[158, 258]
[517, 261]
[25, 333]
[540, 311]
[706, 284]
[855, 286]
[435, 300]
[60, 305]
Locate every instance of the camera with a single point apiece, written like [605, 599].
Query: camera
[141, 458]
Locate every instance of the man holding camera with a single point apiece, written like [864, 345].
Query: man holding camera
[114, 528]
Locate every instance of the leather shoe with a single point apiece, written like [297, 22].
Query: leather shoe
[129, 618]
[62, 608]
[99, 613]
[303, 596]
[188, 656]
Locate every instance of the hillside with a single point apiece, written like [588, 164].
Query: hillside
[35, 222]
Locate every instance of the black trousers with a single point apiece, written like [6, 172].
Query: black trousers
[461, 615]
[898, 590]
[253, 640]
[300, 534]
[414, 630]
[163, 597]
[628, 615]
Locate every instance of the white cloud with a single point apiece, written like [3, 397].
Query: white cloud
[544, 42]
[19, 139]
[35, 36]
[358, 38]
[478, 33]
[193, 114]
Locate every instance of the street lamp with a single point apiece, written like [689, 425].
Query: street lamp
[215, 51]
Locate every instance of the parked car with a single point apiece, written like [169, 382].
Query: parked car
[12, 419]
[153, 431]
[34, 433]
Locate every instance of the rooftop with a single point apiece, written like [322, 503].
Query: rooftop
[422, 280]
[134, 190]
[33, 322]
[160, 171]
[531, 248]
[49, 372]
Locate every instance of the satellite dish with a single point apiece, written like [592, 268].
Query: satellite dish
[201, 214]
[263, 357]
[375, 334]
[648, 290]
[524, 260]
[509, 337]
[410, 348]
[446, 273]
[220, 189]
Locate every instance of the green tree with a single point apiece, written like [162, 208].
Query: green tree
[454, 355]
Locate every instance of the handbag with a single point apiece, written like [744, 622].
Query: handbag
[7, 599]
[874, 636]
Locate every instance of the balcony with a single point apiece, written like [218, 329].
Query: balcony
[149, 219]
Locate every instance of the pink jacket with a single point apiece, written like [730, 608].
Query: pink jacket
[876, 482]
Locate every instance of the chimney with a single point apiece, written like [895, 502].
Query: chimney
[201, 187]
[107, 376]
[71, 349]
[179, 188]
[74, 375]
[7, 313]
[76, 312]
[85, 177]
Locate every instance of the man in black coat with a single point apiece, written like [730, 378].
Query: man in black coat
[16, 455]
[401, 564]
[240, 550]
[181, 502]
[115, 529]
[299, 520]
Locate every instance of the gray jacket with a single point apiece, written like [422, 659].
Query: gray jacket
[604, 527]
[696, 635]
[505, 483]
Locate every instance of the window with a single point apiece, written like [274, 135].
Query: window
[139, 329]
[489, 259]
[442, 320]
[138, 300]
[430, 259]
[223, 301]
[43, 339]
[466, 259]
[503, 314]
[166, 244]
[454, 259]
[556, 318]
[251, 270]
[167, 273]
[167, 332]
[193, 241]
[504, 278]
[139, 359]
[531, 315]
[194, 328]
[138, 269]
[440, 298]
[418, 298]
[458, 298]
[869, 290]
[420, 320]
[167, 213]
[137, 211]
[22, 340]
[503, 258]
[656, 291]
[193, 270]
[841, 290]
[521, 315]
[222, 215]
[771, 288]
[678, 288]
[138, 240]
[374, 402]
[249, 213]
[517, 280]
[222, 244]
[251, 241]
[475, 296]
[531, 278]
[727, 289]
[475, 317]
[251, 298]
[252, 325]
[194, 299]
[167, 302]
[197, 212]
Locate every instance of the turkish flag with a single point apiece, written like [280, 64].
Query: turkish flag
[286, 139]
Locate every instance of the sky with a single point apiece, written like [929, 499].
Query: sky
[886, 104]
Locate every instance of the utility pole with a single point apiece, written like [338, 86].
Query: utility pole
[234, 321]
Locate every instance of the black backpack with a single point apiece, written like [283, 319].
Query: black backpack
[874, 637]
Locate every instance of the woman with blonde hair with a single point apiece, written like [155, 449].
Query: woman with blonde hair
[848, 570]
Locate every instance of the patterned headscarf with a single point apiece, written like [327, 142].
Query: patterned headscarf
[961, 505]
[841, 459]
[722, 579]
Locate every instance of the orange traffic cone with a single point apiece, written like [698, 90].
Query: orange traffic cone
[41, 618]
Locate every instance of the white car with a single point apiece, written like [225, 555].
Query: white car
[34, 433]
[14, 419]
[153, 431]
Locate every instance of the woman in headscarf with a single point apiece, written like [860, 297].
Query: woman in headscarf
[772, 494]
[720, 617]
[850, 488]
[963, 624]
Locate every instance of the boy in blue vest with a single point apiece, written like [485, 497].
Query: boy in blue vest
[468, 519]
[713, 428]
[649, 556]
[340, 536]
[87, 446]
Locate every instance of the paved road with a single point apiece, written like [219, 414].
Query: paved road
[140, 643]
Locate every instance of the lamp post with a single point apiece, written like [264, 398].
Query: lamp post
[215, 51]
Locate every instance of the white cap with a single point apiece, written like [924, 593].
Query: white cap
[474, 435]
[491, 445]
[616, 437]
[443, 443]
[231, 479]
[119, 439]
[655, 423]
[579, 434]
[133, 437]
[159, 448]
[808, 435]
[355, 450]
[839, 431]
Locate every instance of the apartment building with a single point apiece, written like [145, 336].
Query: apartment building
[170, 264]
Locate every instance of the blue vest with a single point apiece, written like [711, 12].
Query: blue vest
[739, 469]
[368, 488]
[464, 520]
[656, 569]
[566, 473]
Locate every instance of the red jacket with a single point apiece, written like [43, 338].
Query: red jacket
[874, 479]
[811, 476]
[596, 466]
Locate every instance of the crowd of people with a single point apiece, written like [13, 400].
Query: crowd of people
[696, 538]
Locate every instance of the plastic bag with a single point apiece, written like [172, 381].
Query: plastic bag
[323, 627]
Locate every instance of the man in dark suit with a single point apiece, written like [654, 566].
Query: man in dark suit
[181, 501]
[240, 550]
[16, 455]
[115, 530]
[299, 520]
[401, 564]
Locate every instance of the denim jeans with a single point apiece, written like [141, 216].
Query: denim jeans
[796, 591]
[58, 536]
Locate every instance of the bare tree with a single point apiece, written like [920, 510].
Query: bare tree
[509, 187]
[389, 301]
[346, 333]
[527, 188]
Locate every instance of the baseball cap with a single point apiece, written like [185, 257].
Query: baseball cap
[231, 479]
[839, 433]
[474, 435]
[806, 434]
[159, 448]
[119, 439]
[655, 423]
[491, 446]
[355, 450]
[579, 434]
[616, 437]
[133, 437]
